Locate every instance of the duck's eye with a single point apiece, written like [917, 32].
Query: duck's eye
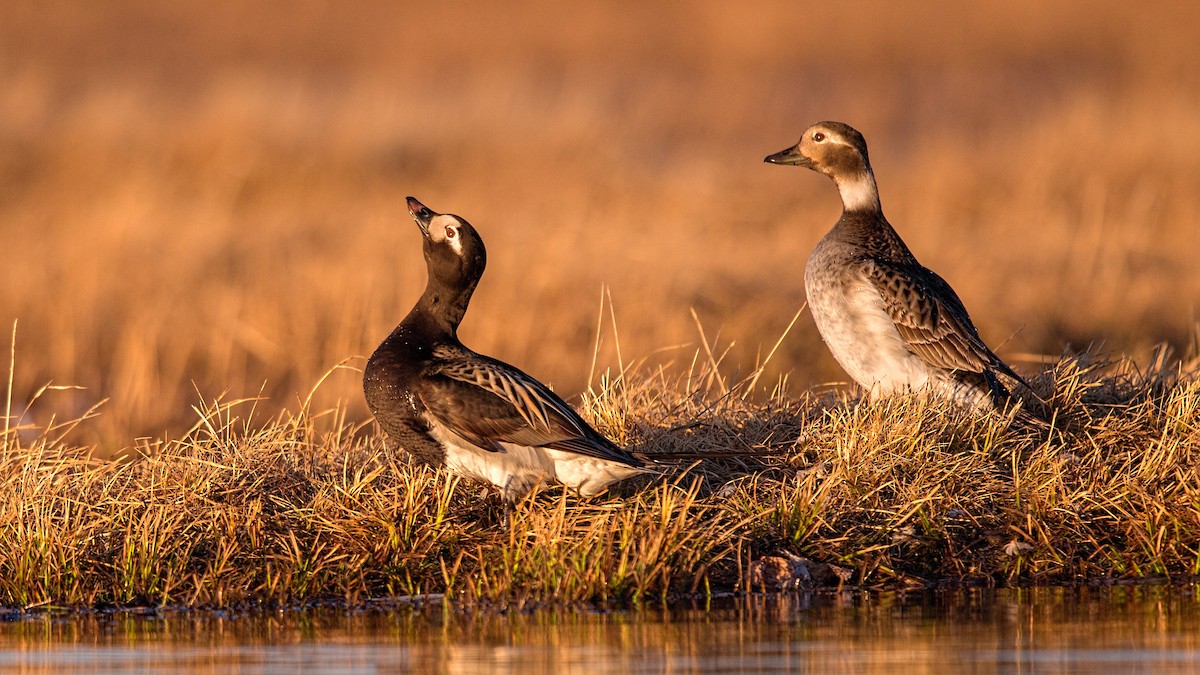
[451, 232]
[818, 137]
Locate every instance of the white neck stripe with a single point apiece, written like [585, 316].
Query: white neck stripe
[859, 193]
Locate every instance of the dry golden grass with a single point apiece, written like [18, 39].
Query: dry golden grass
[205, 201]
[210, 196]
[792, 492]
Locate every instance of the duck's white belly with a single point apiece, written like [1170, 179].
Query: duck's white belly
[517, 470]
[861, 335]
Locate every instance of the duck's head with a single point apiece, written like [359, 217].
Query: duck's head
[454, 251]
[832, 148]
[840, 152]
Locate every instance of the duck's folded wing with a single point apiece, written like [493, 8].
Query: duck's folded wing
[931, 319]
[488, 402]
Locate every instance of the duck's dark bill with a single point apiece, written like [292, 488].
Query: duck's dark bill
[420, 213]
[789, 156]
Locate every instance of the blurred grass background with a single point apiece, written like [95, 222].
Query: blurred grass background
[208, 197]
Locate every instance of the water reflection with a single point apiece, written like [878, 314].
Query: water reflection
[1117, 629]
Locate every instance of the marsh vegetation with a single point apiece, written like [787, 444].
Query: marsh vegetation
[204, 232]
[795, 492]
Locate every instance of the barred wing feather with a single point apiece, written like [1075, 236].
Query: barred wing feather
[932, 320]
[488, 402]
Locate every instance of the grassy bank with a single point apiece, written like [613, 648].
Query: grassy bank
[798, 491]
[209, 197]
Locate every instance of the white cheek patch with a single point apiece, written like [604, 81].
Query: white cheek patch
[441, 227]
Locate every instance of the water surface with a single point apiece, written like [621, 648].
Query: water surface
[1113, 629]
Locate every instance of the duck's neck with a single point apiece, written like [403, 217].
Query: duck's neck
[440, 309]
[858, 191]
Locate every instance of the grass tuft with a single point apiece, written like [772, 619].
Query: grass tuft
[306, 506]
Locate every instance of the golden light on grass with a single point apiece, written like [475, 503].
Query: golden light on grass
[206, 204]
[189, 205]
[307, 506]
